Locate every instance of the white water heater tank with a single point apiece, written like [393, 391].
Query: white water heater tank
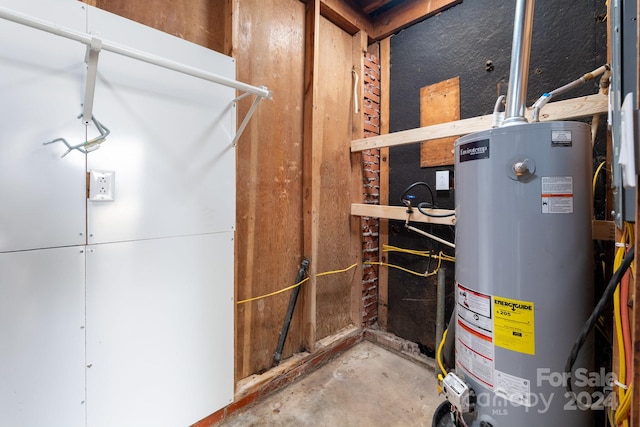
[524, 276]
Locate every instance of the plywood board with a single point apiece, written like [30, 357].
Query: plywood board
[333, 113]
[269, 50]
[204, 22]
[439, 103]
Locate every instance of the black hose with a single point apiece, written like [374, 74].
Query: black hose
[412, 186]
[423, 205]
[426, 205]
[277, 356]
[597, 311]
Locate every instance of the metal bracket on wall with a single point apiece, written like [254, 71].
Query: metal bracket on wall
[95, 45]
[247, 117]
[91, 58]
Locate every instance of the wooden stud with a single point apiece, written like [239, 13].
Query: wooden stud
[358, 49]
[312, 139]
[383, 233]
[439, 103]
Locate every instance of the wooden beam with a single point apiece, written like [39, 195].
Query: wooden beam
[383, 233]
[604, 230]
[400, 213]
[562, 110]
[358, 49]
[407, 13]
[345, 16]
[312, 143]
[369, 6]
[601, 230]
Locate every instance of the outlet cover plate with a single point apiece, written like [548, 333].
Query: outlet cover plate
[102, 185]
[442, 180]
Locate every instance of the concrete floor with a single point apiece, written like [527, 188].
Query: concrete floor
[366, 386]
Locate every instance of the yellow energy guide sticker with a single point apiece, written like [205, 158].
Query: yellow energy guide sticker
[513, 325]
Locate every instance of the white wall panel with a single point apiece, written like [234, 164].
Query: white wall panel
[42, 340]
[159, 265]
[159, 330]
[43, 196]
[170, 145]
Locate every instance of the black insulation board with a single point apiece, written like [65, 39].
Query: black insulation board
[569, 39]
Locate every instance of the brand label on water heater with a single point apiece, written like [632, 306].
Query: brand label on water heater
[557, 194]
[474, 150]
[561, 138]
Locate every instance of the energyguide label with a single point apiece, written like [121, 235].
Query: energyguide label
[514, 325]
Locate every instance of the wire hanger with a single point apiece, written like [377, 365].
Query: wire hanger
[87, 146]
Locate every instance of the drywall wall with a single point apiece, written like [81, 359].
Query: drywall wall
[116, 312]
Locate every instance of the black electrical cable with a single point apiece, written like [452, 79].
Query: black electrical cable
[597, 311]
[424, 205]
[414, 185]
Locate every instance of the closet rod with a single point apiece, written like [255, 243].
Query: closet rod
[86, 39]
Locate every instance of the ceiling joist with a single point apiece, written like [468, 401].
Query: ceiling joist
[354, 16]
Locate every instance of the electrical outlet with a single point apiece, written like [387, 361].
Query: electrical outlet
[102, 186]
[442, 180]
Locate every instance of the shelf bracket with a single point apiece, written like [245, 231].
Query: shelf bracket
[91, 59]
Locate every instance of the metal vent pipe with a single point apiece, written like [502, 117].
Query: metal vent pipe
[519, 72]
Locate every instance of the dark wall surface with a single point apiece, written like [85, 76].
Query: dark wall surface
[569, 39]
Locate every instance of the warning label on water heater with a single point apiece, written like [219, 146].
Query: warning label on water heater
[474, 333]
[557, 194]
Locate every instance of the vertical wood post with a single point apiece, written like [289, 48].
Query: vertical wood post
[359, 47]
[383, 273]
[312, 152]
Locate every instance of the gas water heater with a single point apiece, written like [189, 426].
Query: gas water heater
[523, 269]
[524, 281]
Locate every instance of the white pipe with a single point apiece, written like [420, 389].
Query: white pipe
[431, 236]
[546, 97]
[85, 38]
